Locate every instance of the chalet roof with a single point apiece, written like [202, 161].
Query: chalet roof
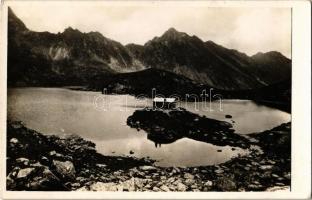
[160, 99]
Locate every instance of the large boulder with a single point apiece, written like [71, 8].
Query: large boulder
[188, 176]
[22, 161]
[148, 168]
[24, 173]
[35, 178]
[225, 184]
[181, 187]
[133, 184]
[100, 186]
[46, 181]
[65, 169]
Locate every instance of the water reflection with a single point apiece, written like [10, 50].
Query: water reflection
[159, 139]
[167, 126]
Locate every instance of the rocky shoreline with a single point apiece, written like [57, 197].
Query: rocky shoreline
[37, 162]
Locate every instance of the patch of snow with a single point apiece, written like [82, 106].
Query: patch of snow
[58, 53]
[115, 65]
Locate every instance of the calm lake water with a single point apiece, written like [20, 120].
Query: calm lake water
[102, 119]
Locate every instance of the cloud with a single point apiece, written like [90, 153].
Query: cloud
[249, 30]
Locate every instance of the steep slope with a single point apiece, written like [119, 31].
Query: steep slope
[277, 95]
[272, 67]
[70, 57]
[142, 82]
[189, 56]
[209, 63]
[268, 68]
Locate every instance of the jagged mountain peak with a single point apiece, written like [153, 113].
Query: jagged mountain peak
[172, 33]
[69, 30]
[272, 54]
[14, 23]
[96, 34]
[69, 57]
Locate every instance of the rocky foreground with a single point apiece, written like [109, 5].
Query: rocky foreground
[51, 163]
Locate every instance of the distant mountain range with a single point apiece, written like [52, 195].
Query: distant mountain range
[76, 58]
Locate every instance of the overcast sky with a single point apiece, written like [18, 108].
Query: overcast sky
[249, 30]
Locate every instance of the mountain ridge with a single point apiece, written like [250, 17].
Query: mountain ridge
[205, 62]
[74, 57]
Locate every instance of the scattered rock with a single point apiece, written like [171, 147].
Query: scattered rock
[278, 188]
[101, 165]
[287, 176]
[188, 176]
[25, 172]
[181, 187]
[23, 161]
[65, 169]
[75, 185]
[156, 189]
[46, 180]
[17, 125]
[44, 160]
[99, 186]
[219, 171]
[254, 163]
[275, 176]
[266, 167]
[225, 184]
[148, 168]
[272, 162]
[14, 141]
[255, 187]
[189, 182]
[164, 188]
[10, 183]
[82, 189]
[148, 186]
[247, 168]
[208, 184]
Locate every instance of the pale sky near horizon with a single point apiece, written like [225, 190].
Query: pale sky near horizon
[249, 30]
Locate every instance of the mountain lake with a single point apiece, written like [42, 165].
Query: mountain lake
[102, 119]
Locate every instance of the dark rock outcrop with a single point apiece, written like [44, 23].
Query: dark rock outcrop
[168, 126]
[275, 142]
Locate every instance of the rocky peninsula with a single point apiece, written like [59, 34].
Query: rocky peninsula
[38, 162]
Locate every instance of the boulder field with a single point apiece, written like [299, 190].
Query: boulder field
[38, 162]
